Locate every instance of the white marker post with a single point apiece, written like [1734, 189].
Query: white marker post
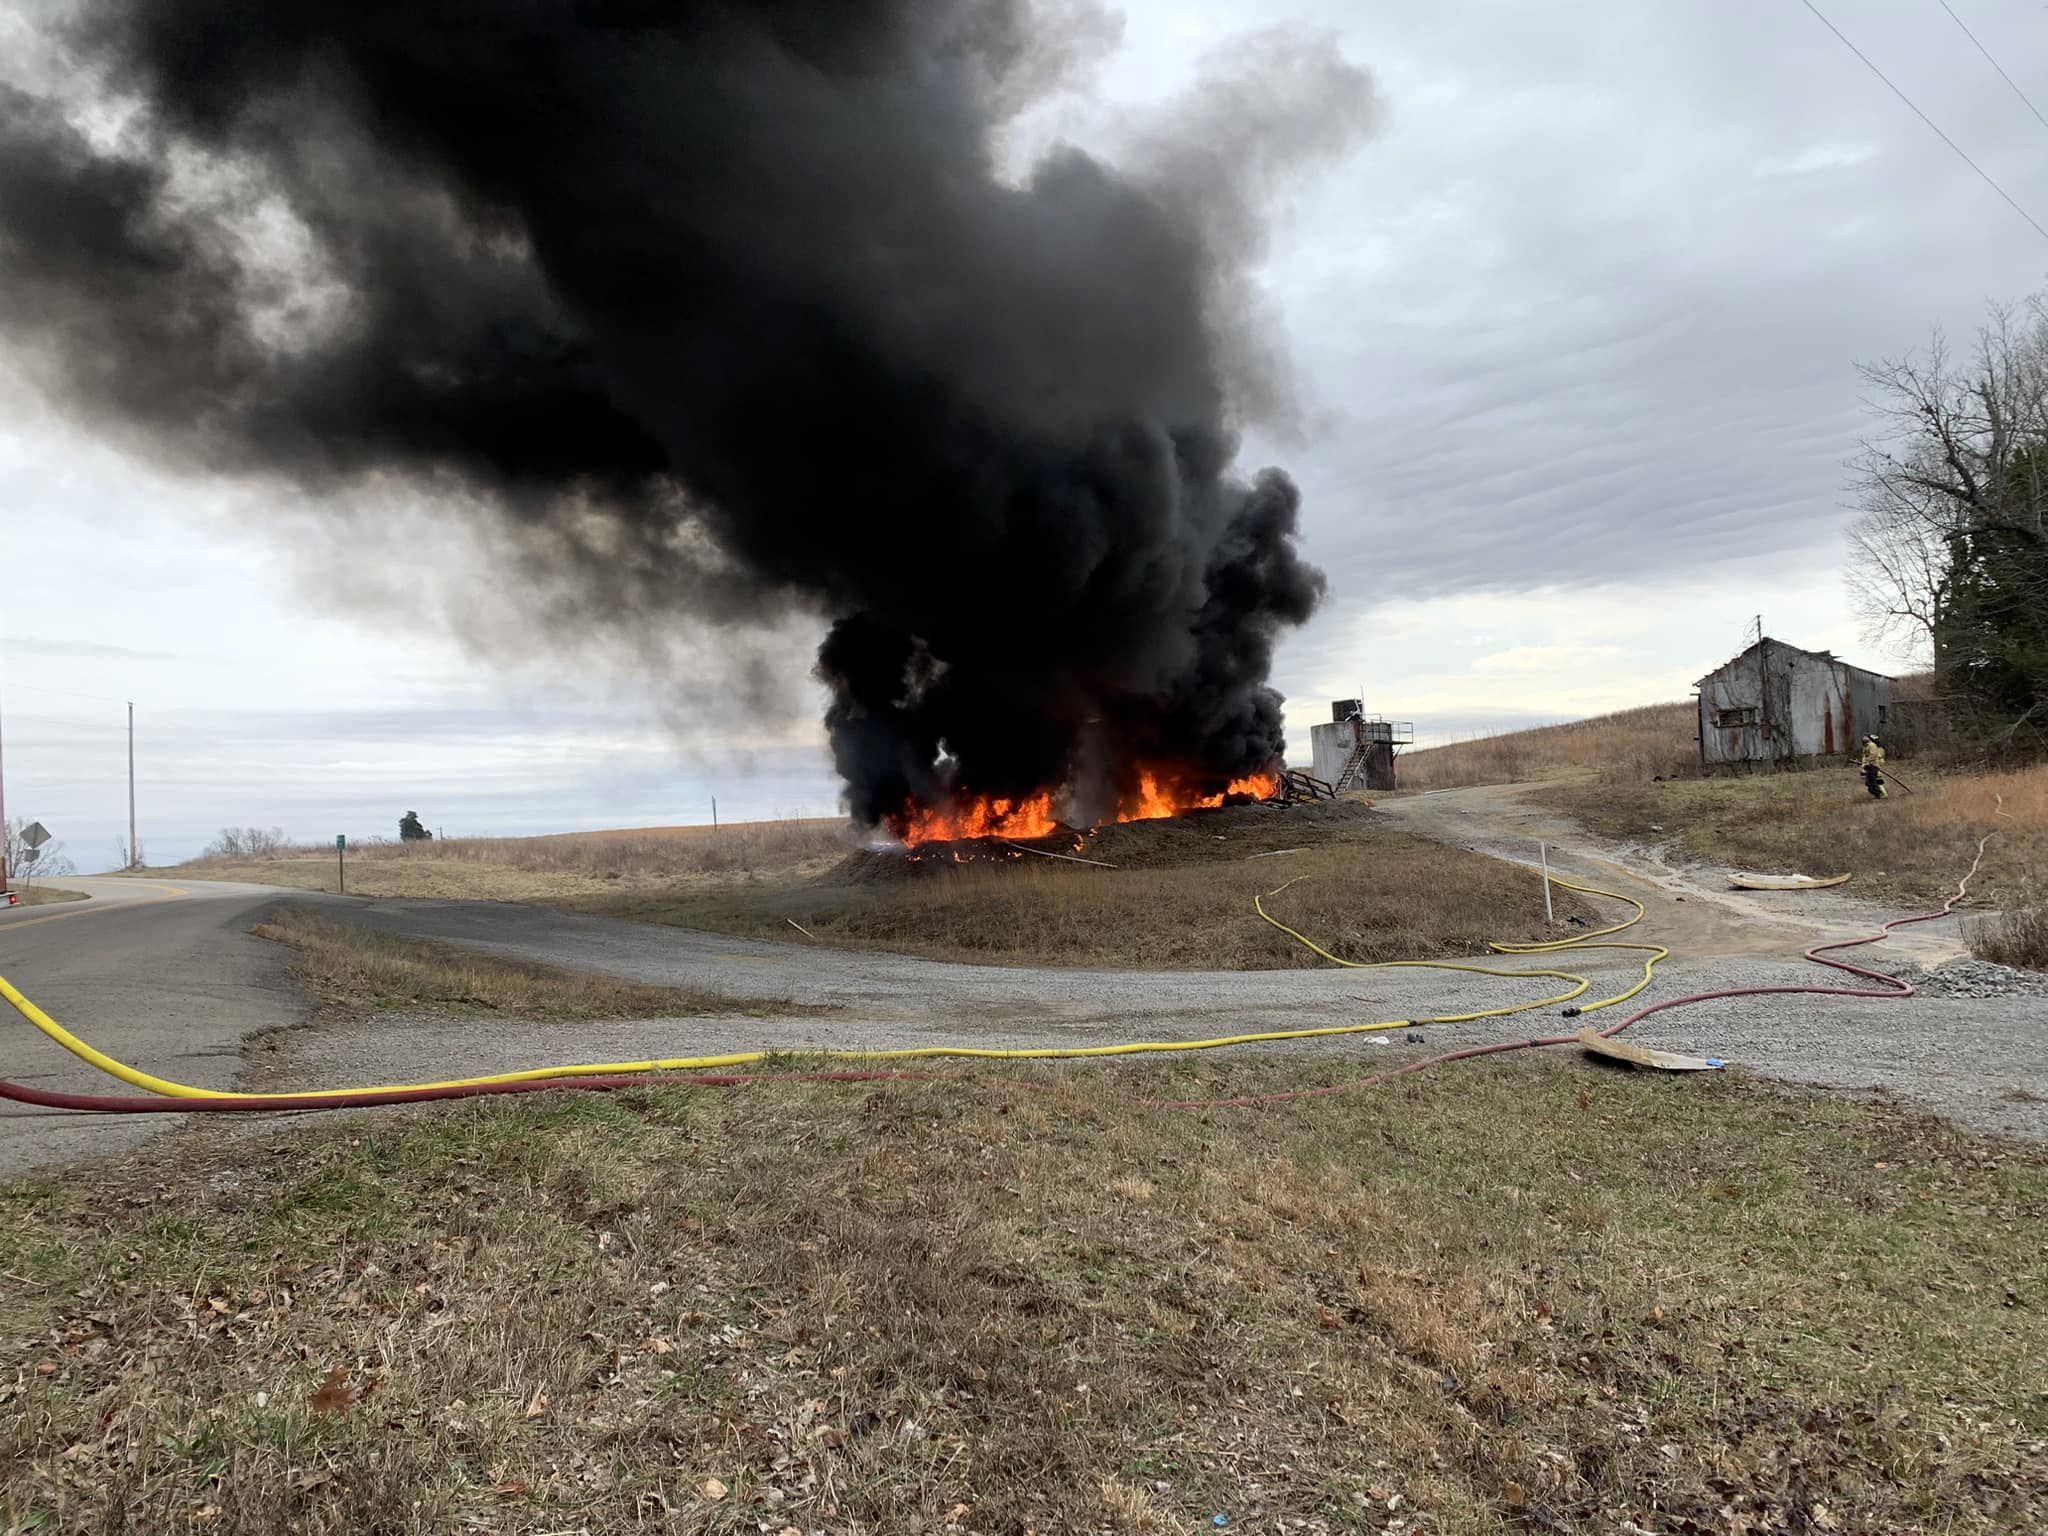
[1543, 852]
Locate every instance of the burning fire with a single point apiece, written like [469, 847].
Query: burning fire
[981, 817]
[1155, 801]
[986, 816]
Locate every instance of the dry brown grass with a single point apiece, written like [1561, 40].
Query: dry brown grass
[1181, 899]
[361, 971]
[573, 864]
[968, 1308]
[1909, 846]
[1633, 746]
[2018, 937]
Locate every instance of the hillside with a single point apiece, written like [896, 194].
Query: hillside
[1636, 744]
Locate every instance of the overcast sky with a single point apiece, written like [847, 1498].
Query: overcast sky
[1574, 338]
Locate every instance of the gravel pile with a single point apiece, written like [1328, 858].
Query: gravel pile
[1975, 978]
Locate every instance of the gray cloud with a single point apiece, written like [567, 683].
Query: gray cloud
[1583, 316]
[81, 650]
[1592, 307]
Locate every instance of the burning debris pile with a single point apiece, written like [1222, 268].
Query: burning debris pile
[958, 820]
[720, 312]
[951, 831]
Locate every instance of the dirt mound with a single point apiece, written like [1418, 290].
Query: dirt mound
[1229, 834]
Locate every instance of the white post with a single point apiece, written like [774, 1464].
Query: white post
[1543, 852]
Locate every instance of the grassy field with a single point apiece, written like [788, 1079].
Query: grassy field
[1632, 746]
[572, 864]
[1180, 897]
[358, 971]
[1001, 1305]
[1909, 847]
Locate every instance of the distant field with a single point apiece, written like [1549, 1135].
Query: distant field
[1632, 745]
[553, 867]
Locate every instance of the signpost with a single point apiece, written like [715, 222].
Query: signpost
[341, 861]
[33, 836]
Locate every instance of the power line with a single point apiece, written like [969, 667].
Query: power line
[66, 693]
[1930, 122]
[1988, 59]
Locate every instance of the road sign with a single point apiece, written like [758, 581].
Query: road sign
[34, 835]
[341, 840]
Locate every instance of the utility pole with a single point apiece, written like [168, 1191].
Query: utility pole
[714, 813]
[134, 850]
[1763, 686]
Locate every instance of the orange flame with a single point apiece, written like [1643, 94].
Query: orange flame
[1157, 797]
[984, 817]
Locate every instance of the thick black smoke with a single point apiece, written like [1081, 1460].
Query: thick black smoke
[729, 306]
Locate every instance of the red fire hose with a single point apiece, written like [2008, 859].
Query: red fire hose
[1893, 988]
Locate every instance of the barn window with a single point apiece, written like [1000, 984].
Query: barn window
[1880, 714]
[1732, 719]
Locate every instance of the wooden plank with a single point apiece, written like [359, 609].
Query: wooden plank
[1645, 1056]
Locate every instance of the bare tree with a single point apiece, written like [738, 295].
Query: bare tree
[131, 858]
[1950, 548]
[246, 843]
[26, 865]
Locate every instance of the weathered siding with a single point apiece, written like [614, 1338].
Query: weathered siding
[1814, 690]
[1870, 697]
[1775, 702]
[1330, 747]
[1732, 694]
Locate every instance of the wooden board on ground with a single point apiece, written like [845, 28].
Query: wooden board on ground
[1645, 1056]
[1748, 882]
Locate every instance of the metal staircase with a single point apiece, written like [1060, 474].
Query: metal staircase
[1353, 776]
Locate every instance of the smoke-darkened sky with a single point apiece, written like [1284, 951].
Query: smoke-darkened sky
[1571, 336]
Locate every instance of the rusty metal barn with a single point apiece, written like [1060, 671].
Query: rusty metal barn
[1776, 703]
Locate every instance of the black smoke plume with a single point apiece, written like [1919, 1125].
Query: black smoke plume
[731, 307]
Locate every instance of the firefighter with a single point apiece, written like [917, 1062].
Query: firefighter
[1872, 764]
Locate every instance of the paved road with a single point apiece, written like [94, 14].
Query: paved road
[163, 975]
